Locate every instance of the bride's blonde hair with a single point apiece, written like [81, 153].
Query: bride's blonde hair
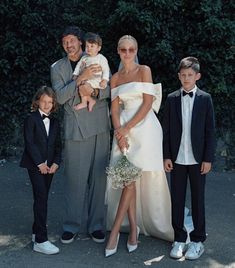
[127, 37]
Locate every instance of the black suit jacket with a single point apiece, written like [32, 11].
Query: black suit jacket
[202, 127]
[38, 146]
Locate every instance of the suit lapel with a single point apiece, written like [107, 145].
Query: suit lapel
[178, 105]
[51, 128]
[68, 70]
[196, 105]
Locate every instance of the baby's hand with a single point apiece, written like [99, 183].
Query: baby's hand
[103, 83]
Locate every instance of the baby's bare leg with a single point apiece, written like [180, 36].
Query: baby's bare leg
[83, 104]
[91, 103]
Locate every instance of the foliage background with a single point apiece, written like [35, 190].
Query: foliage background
[165, 30]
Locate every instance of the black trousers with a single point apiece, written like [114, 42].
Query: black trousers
[179, 177]
[41, 184]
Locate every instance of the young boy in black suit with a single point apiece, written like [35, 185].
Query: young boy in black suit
[41, 157]
[188, 150]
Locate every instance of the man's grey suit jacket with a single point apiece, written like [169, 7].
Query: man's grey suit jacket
[82, 124]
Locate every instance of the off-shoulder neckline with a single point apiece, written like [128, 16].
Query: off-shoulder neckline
[133, 82]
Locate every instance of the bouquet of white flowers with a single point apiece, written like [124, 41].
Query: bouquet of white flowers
[123, 173]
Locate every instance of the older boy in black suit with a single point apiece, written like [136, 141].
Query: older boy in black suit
[188, 145]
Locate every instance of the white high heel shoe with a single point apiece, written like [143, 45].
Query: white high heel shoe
[130, 247]
[110, 252]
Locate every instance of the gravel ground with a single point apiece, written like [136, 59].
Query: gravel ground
[16, 218]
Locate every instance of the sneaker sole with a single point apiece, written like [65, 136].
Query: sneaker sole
[67, 241]
[194, 258]
[98, 240]
[176, 257]
[45, 252]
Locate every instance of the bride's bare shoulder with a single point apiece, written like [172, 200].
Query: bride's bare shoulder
[144, 69]
[145, 73]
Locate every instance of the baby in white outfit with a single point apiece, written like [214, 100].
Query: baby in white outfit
[93, 44]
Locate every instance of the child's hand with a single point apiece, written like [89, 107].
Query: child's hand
[168, 166]
[205, 167]
[53, 168]
[43, 168]
[103, 83]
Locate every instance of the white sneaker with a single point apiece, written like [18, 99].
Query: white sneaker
[195, 250]
[45, 247]
[178, 250]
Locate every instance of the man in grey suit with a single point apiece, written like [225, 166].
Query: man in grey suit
[87, 140]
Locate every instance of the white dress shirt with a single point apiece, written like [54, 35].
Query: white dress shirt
[46, 121]
[185, 155]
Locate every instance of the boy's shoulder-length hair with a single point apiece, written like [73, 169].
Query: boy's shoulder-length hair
[44, 90]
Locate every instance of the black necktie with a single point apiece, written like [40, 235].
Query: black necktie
[45, 116]
[187, 93]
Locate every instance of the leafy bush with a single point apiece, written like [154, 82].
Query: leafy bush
[165, 30]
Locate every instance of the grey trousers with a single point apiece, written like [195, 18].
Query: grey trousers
[85, 184]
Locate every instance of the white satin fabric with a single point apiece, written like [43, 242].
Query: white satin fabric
[145, 151]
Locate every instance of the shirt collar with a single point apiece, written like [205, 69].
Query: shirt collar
[41, 112]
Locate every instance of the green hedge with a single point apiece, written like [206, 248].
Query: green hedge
[166, 32]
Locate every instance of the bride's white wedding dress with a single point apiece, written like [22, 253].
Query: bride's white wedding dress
[145, 151]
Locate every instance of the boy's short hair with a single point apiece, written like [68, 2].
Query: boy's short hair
[93, 38]
[73, 30]
[44, 90]
[189, 62]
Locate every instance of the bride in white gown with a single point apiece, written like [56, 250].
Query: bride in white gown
[145, 205]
